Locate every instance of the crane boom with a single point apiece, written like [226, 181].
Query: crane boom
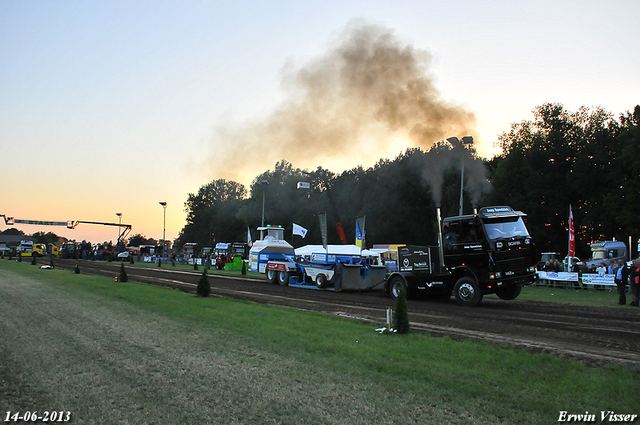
[70, 224]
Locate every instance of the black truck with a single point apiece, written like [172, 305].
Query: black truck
[489, 252]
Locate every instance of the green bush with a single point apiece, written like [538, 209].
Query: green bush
[401, 319]
[123, 274]
[33, 260]
[204, 288]
[77, 269]
[51, 261]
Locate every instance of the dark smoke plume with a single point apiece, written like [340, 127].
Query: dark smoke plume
[446, 157]
[369, 98]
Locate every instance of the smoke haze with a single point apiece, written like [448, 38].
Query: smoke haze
[443, 158]
[368, 98]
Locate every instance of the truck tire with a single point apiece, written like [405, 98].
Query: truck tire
[510, 292]
[283, 278]
[467, 291]
[321, 280]
[395, 285]
[272, 276]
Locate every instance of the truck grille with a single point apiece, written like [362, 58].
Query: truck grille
[515, 263]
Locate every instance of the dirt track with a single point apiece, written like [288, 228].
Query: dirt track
[595, 336]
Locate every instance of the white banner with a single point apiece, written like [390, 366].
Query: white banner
[587, 278]
[564, 276]
[595, 279]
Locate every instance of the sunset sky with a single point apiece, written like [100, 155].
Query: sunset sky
[113, 106]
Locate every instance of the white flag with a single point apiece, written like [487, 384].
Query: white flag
[249, 241]
[299, 230]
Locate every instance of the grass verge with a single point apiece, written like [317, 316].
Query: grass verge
[128, 353]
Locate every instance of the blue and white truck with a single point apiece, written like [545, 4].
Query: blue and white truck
[270, 247]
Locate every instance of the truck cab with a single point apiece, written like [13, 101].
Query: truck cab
[25, 249]
[488, 252]
[607, 252]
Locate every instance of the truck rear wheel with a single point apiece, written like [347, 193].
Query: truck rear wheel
[272, 276]
[468, 291]
[510, 292]
[321, 280]
[283, 278]
[396, 284]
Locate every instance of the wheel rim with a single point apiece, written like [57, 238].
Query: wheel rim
[466, 292]
[395, 288]
[270, 274]
[282, 276]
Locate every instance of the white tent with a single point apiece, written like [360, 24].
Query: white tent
[335, 250]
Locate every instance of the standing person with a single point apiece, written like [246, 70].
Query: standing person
[634, 281]
[622, 276]
[574, 266]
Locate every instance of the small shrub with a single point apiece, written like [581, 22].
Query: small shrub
[159, 262]
[33, 260]
[204, 288]
[51, 262]
[195, 265]
[244, 268]
[20, 258]
[123, 274]
[401, 319]
[77, 269]
[131, 259]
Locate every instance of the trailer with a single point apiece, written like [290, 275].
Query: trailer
[607, 252]
[490, 252]
[336, 267]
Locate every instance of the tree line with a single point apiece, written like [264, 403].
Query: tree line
[587, 159]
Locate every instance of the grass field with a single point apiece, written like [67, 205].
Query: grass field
[128, 353]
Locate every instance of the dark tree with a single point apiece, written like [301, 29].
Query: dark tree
[204, 288]
[137, 240]
[584, 159]
[123, 274]
[212, 211]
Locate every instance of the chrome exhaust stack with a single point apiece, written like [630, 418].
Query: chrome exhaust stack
[440, 245]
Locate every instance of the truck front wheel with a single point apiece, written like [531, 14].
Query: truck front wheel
[468, 292]
[510, 292]
[396, 284]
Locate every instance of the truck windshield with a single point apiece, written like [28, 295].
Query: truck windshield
[599, 255]
[506, 229]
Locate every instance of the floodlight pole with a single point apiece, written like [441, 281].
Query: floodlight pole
[263, 183]
[164, 219]
[119, 223]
